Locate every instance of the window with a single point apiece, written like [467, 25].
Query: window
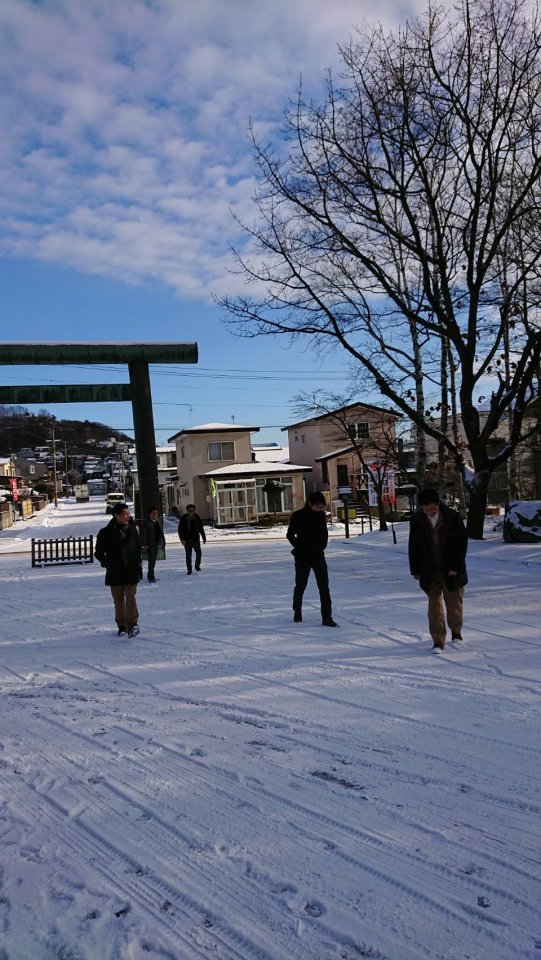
[221, 450]
[359, 431]
[282, 503]
[235, 503]
[171, 458]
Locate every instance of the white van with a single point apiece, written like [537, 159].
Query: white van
[111, 499]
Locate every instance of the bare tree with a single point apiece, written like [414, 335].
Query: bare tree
[387, 212]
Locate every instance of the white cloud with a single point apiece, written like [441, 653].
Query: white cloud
[125, 125]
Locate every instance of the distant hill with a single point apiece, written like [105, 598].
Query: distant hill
[19, 428]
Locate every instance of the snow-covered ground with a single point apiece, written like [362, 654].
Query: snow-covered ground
[233, 785]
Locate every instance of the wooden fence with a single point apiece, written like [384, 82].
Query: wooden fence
[62, 550]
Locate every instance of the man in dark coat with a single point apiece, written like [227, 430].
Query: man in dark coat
[437, 554]
[191, 532]
[152, 539]
[118, 549]
[308, 535]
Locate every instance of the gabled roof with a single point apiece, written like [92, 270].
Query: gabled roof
[214, 428]
[335, 453]
[349, 406]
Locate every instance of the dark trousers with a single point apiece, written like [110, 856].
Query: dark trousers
[194, 545]
[152, 553]
[302, 572]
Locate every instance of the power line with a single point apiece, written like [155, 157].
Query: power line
[208, 373]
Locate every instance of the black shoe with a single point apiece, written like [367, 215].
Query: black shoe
[133, 631]
[297, 618]
[153, 580]
[329, 622]
[198, 569]
[188, 572]
[121, 632]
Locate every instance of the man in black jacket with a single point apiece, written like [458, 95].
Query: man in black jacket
[152, 539]
[118, 549]
[308, 535]
[437, 554]
[191, 532]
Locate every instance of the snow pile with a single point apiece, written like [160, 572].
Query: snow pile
[522, 521]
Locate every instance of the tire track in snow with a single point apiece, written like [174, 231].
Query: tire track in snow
[145, 888]
[321, 827]
[208, 702]
[149, 820]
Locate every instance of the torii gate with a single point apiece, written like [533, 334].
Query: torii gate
[137, 356]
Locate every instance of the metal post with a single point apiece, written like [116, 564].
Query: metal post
[392, 502]
[145, 440]
[346, 515]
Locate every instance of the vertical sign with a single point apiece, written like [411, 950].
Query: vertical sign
[384, 475]
[14, 488]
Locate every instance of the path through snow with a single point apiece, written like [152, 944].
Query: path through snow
[233, 785]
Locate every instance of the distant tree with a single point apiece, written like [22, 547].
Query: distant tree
[399, 221]
[8, 411]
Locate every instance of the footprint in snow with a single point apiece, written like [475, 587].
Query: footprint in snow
[313, 910]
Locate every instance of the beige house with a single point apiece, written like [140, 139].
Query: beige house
[166, 460]
[7, 467]
[218, 472]
[324, 443]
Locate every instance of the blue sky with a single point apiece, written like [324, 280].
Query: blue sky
[124, 153]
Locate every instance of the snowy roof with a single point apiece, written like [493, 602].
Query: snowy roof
[270, 453]
[349, 406]
[215, 428]
[259, 469]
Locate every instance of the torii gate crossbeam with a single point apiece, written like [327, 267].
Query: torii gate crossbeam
[137, 356]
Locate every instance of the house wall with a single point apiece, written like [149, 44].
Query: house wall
[304, 447]
[312, 440]
[195, 461]
[526, 461]
[7, 468]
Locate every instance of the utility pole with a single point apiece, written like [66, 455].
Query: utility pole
[66, 466]
[54, 469]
